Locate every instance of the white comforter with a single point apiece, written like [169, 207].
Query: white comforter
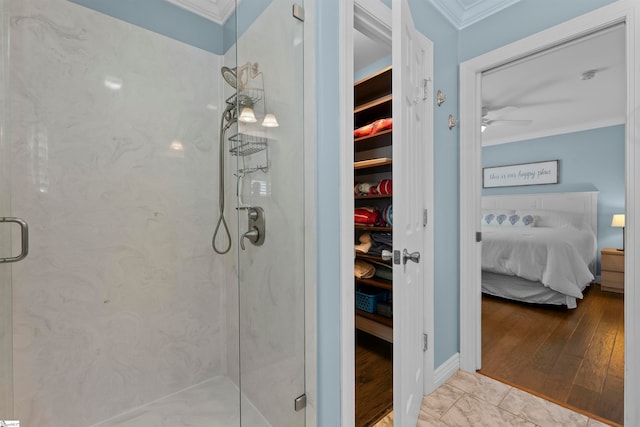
[557, 257]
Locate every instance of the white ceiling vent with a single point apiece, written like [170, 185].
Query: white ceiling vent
[214, 10]
[462, 13]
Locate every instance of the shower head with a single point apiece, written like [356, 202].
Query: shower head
[229, 75]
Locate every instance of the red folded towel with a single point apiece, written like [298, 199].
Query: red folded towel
[373, 128]
[367, 216]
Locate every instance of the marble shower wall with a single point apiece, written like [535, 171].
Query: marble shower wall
[114, 166]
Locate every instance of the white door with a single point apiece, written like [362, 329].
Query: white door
[412, 102]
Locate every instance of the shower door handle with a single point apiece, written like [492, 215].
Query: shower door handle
[24, 237]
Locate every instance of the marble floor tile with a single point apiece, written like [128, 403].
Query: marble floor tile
[473, 400]
[470, 411]
[480, 386]
[438, 403]
[387, 421]
[541, 411]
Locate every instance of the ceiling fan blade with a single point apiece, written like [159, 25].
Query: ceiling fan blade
[490, 114]
[509, 122]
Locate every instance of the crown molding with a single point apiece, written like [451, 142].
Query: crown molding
[462, 13]
[217, 11]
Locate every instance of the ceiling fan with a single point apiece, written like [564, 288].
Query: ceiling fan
[492, 117]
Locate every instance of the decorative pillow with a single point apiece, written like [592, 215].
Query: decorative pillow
[553, 218]
[520, 220]
[495, 218]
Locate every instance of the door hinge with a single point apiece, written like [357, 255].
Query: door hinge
[425, 217]
[298, 12]
[300, 402]
[425, 346]
[478, 236]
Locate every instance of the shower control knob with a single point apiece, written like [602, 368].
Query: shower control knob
[253, 235]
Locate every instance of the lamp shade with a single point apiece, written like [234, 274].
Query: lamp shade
[247, 115]
[618, 220]
[270, 121]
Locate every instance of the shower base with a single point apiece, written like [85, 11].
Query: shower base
[213, 403]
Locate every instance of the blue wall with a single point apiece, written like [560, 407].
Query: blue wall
[444, 36]
[327, 46]
[164, 18]
[172, 21]
[589, 160]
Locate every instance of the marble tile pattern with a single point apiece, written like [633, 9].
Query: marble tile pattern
[473, 400]
[114, 165]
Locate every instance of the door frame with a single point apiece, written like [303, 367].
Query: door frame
[470, 173]
[373, 18]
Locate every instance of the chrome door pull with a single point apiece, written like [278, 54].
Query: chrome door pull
[24, 234]
[413, 256]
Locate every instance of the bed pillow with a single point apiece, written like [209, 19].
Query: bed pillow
[520, 220]
[555, 219]
[495, 218]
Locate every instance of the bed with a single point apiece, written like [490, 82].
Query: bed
[539, 248]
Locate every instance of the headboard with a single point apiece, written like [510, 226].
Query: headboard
[584, 203]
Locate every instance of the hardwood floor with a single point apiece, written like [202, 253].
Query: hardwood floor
[374, 379]
[572, 357]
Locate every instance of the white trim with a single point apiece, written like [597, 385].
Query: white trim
[447, 370]
[310, 209]
[462, 16]
[217, 11]
[373, 19]
[347, 295]
[470, 111]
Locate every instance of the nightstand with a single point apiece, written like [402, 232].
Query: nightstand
[612, 270]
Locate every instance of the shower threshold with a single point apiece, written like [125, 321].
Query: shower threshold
[212, 403]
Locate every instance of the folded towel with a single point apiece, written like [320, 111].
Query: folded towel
[366, 215]
[363, 270]
[365, 243]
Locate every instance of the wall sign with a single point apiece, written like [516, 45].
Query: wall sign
[523, 174]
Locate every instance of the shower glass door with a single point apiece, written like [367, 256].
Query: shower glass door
[6, 346]
[269, 167]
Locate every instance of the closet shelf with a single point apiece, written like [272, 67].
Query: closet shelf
[375, 103]
[378, 283]
[372, 163]
[374, 196]
[387, 321]
[370, 142]
[372, 258]
[372, 228]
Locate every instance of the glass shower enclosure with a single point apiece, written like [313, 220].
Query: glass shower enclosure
[123, 142]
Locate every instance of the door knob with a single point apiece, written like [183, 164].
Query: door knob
[413, 256]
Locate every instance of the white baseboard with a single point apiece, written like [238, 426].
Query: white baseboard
[446, 370]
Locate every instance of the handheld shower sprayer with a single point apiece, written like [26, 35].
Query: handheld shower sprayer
[230, 115]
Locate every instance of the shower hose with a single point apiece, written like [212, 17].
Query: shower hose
[221, 221]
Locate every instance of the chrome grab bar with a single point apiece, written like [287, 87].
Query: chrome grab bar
[24, 233]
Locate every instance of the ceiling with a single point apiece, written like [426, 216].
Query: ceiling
[547, 94]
